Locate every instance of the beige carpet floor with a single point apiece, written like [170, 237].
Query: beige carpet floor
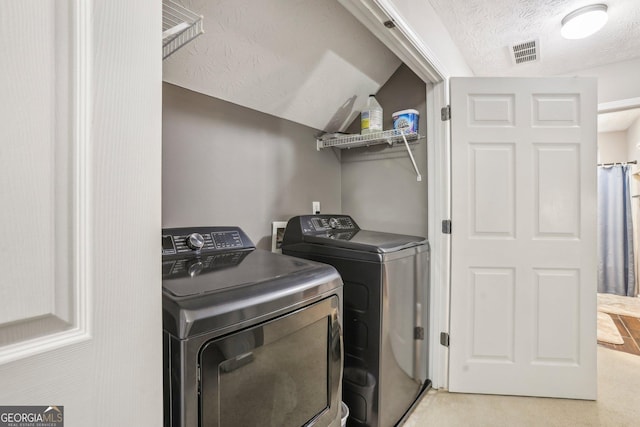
[618, 403]
[607, 330]
[626, 306]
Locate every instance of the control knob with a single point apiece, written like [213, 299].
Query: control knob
[333, 223]
[195, 241]
[195, 268]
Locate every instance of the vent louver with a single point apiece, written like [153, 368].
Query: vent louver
[525, 52]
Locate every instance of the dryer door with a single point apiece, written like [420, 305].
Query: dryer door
[285, 372]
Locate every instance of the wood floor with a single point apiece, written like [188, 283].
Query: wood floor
[629, 328]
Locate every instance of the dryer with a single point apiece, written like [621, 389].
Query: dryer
[251, 338]
[385, 279]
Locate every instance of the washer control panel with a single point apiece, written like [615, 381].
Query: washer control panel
[313, 227]
[186, 241]
[323, 223]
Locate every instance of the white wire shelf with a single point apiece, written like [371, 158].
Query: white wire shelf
[389, 137]
[179, 27]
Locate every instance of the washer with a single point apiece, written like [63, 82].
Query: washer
[385, 284]
[250, 337]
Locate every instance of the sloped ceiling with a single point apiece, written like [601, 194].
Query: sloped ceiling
[307, 61]
[617, 121]
[484, 29]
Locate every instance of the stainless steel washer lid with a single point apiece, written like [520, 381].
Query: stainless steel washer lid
[341, 231]
[367, 241]
[256, 284]
[217, 271]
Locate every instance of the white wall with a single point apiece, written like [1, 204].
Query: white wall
[223, 164]
[633, 139]
[633, 153]
[379, 187]
[615, 81]
[612, 147]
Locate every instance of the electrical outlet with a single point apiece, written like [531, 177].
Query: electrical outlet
[315, 208]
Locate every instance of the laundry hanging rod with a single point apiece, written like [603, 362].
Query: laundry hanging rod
[632, 162]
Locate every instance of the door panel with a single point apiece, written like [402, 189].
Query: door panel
[557, 190]
[557, 326]
[80, 293]
[493, 199]
[523, 281]
[492, 318]
[38, 190]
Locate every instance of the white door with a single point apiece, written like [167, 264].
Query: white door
[523, 280]
[80, 158]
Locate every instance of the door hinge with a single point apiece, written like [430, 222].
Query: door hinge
[446, 226]
[445, 113]
[418, 333]
[444, 339]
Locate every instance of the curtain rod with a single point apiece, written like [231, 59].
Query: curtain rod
[632, 162]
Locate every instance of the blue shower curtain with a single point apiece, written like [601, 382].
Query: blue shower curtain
[616, 272]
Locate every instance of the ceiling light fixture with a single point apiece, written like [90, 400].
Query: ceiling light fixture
[583, 22]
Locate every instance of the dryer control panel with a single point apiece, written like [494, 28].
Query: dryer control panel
[196, 240]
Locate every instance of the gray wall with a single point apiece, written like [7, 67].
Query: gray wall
[223, 164]
[379, 187]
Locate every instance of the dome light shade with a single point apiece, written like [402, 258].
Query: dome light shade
[583, 22]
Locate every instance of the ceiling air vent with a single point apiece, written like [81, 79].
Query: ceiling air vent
[525, 52]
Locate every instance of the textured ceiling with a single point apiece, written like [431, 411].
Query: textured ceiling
[313, 63]
[483, 30]
[307, 61]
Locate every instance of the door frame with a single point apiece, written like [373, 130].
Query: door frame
[409, 47]
[439, 209]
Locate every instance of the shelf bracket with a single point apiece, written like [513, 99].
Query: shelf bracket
[179, 27]
[413, 161]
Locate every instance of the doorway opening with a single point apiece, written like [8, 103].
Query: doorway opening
[619, 225]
